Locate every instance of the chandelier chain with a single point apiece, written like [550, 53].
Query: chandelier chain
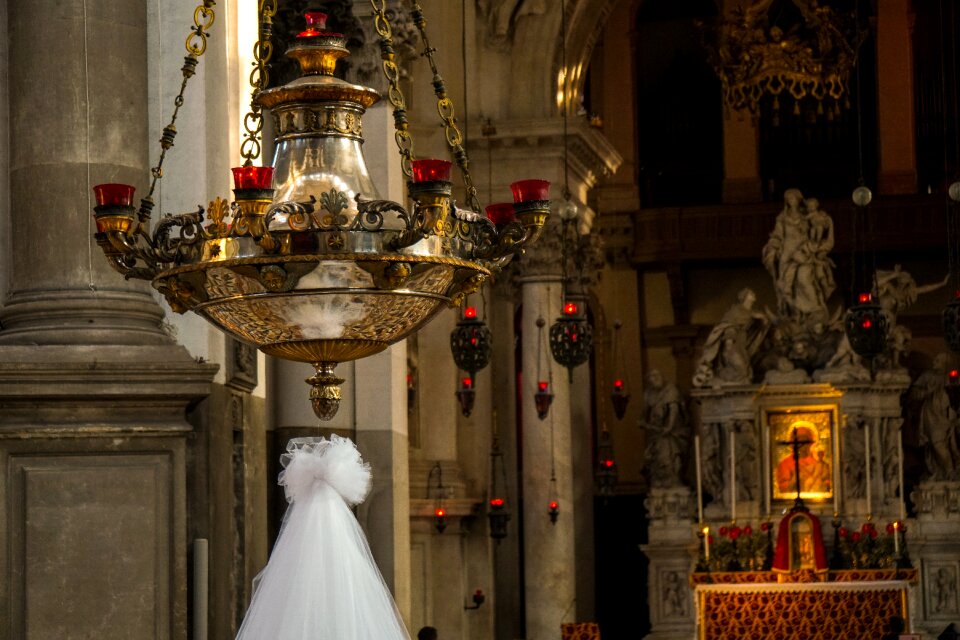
[394, 94]
[196, 45]
[251, 146]
[445, 108]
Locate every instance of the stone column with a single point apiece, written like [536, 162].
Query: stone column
[78, 106]
[93, 395]
[550, 576]
[898, 158]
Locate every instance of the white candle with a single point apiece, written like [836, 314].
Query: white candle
[706, 543]
[866, 444]
[896, 538]
[903, 495]
[696, 453]
[733, 475]
[201, 601]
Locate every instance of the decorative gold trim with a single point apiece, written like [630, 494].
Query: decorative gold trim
[335, 350]
[107, 224]
[312, 292]
[323, 257]
[317, 92]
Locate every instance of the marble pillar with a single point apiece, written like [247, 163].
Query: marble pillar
[549, 549]
[93, 394]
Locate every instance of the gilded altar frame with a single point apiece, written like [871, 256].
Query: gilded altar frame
[817, 421]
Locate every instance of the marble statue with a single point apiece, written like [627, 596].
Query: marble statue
[897, 290]
[796, 257]
[667, 431]
[675, 592]
[936, 421]
[731, 344]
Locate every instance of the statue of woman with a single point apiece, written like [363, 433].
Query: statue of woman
[936, 420]
[667, 431]
[796, 257]
[731, 344]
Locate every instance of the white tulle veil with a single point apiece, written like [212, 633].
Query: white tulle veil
[321, 582]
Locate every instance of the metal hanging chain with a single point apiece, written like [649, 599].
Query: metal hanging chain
[445, 109]
[394, 93]
[196, 45]
[251, 146]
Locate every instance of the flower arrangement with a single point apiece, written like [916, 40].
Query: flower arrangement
[737, 549]
[866, 548]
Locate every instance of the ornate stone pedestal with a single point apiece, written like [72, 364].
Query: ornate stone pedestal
[672, 550]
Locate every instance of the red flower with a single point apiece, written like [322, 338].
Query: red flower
[890, 528]
[710, 538]
[855, 536]
[873, 533]
[723, 531]
[843, 532]
[735, 533]
[748, 530]
[765, 526]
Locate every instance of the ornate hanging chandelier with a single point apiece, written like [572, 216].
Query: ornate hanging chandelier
[471, 345]
[755, 56]
[308, 263]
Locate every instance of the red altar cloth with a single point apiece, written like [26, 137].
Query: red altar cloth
[853, 605]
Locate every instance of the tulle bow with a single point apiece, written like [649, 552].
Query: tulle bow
[311, 462]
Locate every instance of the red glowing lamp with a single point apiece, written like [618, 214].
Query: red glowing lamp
[114, 195]
[496, 502]
[470, 312]
[867, 323]
[530, 190]
[501, 213]
[467, 383]
[431, 170]
[570, 309]
[553, 511]
[543, 385]
[864, 298]
[607, 463]
[618, 384]
[258, 178]
[316, 24]
[954, 375]
[440, 512]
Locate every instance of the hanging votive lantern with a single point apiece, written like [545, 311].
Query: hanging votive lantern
[571, 338]
[470, 342]
[866, 327]
[439, 511]
[952, 387]
[499, 516]
[498, 512]
[543, 398]
[553, 510]
[620, 396]
[466, 395]
[606, 471]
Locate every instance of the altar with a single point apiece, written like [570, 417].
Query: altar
[853, 605]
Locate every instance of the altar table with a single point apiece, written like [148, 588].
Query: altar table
[853, 605]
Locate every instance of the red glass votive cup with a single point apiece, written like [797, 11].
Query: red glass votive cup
[114, 195]
[530, 190]
[430, 170]
[316, 24]
[260, 178]
[500, 213]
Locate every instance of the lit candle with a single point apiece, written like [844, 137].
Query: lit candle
[896, 538]
[696, 453]
[733, 475]
[866, 445]
[706, 543]
[903, 495]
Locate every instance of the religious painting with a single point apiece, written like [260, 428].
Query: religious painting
[802, 453]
